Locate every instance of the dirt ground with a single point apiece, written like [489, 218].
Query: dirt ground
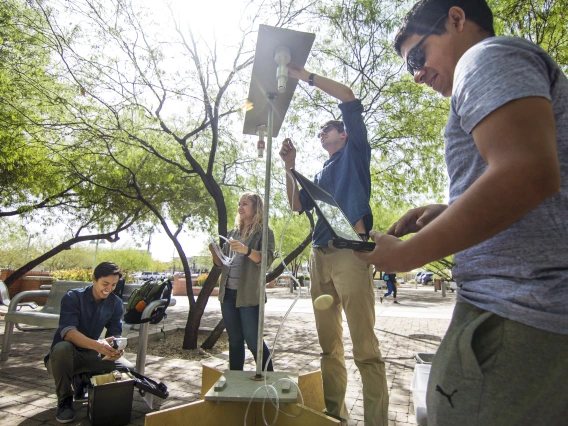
[171, 346]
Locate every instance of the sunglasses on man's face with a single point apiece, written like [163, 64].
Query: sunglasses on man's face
[326, 129]
[416, 57]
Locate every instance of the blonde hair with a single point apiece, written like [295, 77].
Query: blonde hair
[256, 223]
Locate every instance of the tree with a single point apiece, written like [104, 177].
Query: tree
[541, 21]
[29, 178]
[127, 109]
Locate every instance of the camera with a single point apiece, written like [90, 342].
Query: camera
[119, 343]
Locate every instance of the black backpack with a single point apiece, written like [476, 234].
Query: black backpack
[151, 290]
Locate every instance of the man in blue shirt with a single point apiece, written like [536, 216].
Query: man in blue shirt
[338, 272]
[76, 345]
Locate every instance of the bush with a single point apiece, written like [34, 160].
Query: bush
[76, 274]
[201, 280]
[79, 274]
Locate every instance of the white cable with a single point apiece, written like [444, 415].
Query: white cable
[270, 387]
[225, 260]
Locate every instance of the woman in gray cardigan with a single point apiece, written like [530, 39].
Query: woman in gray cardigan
[239, 289]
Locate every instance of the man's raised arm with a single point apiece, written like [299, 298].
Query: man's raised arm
[331, 87]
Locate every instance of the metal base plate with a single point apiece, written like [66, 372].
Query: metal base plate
[240, 387]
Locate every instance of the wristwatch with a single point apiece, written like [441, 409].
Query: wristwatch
[248, 252]
[311, 79]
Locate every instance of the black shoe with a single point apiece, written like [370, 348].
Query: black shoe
[381, 299]
[65, 412]
[333, 416]
[343, 422]
[396, 302]
[79, 388]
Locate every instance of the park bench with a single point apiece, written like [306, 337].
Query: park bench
[48, 316]
[5, 298]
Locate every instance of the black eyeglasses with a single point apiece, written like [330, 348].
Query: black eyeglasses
[416, 58]
[326, 129]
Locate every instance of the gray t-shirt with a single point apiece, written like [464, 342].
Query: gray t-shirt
[522, 272]
[235, 272]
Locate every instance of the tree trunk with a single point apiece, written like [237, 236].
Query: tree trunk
[66, 245]
[196, 311]
[214, 336]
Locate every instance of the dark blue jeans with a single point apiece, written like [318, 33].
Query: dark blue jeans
[391, 287]
[242, 326]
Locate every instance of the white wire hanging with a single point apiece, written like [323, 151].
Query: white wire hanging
[225, 260]
[270, 388]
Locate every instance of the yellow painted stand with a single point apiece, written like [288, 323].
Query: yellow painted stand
[209, 413]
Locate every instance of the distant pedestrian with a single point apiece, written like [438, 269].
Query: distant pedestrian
[391, 287]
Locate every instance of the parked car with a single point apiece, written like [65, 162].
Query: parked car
[418, 276]
[146, 275]
[427, 277]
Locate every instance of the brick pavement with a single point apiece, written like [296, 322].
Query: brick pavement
[27, 392]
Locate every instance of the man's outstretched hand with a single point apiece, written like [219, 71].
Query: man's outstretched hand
[288, 153]
[297, 71]
[386, 255]
[416, 219]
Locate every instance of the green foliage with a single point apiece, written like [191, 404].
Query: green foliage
[81, 274]
[76, 274]
[541, 21]
[131, 260]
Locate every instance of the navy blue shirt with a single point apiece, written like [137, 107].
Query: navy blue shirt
[346, 175]
[80, 311]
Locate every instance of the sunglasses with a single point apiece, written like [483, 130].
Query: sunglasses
[326, 129]
[417, 58]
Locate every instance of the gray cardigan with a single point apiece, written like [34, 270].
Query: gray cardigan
[248, 293]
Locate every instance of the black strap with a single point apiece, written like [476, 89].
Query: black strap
[311, 79]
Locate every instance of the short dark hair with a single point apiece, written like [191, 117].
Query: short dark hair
[338, 124]
[104, 269]
[425, 13]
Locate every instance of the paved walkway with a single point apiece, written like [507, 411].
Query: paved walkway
[27, 394]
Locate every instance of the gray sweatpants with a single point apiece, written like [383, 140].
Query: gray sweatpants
[493, 371]
[65, 361]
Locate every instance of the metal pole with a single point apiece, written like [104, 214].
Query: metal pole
[443, 287]
[142, 345]
[95, 259]
[264, 248]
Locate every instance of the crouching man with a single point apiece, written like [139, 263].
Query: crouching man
[76, 348]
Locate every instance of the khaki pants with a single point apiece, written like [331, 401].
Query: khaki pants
[339, 273]
[491, 371]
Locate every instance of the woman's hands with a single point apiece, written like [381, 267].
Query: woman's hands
[238, 247]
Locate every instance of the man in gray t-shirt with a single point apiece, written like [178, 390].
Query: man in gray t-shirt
[503, 360]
